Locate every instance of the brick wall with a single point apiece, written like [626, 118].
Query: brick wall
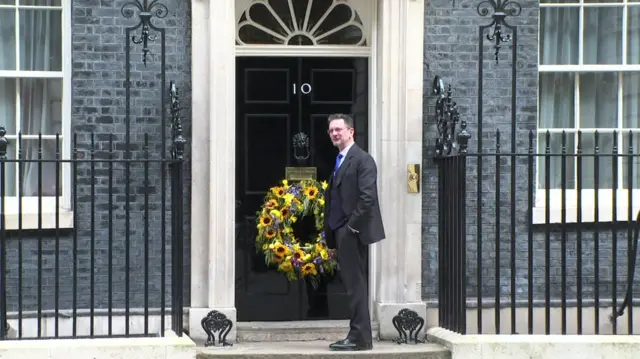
[98, 96]
[451, 51]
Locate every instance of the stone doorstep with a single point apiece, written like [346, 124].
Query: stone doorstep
[320, 350]
[313, 330]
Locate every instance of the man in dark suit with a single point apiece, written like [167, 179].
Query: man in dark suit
[352, 222]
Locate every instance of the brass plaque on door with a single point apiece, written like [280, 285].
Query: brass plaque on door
[300, 173]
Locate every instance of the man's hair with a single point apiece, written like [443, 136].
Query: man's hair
[340, 116]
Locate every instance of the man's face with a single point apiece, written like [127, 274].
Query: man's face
[340, 134]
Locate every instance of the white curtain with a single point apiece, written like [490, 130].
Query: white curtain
[598, 91]
[40, 111]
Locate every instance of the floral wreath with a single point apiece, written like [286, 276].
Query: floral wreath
[283, 205]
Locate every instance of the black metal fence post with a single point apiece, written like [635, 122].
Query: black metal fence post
[4, 143]
[461, 228]
[177, 202]
[146, 10]
[450, 156]
[500, 10]
[452, 242]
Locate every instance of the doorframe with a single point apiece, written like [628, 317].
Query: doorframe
[395, 138]
[338, 51]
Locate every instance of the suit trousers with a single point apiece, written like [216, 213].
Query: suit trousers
[352, 259]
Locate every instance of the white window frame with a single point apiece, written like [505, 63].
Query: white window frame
[31, 216]
[605, 207]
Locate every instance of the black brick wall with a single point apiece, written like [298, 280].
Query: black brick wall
[98, 97]
[451, 51]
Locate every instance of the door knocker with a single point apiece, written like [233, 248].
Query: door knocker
[301, 149]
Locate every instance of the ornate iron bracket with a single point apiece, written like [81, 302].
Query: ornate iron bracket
[216, 322]
[146, 10]
[409, 321]
[4, 143]
[501, 9]
[447, 117]
[179, 140]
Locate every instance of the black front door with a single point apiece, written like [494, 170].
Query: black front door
[277, 98]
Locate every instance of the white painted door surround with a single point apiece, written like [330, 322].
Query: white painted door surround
[395, 133]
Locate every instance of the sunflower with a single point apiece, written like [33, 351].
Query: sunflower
[265, 221]
[271, 204]
[311, 192]
[281, 250]
[284, 212]
[309, 269]
[298, 254]
[270, 233]
[278, 191]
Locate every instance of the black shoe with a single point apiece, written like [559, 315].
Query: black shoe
[350, 345]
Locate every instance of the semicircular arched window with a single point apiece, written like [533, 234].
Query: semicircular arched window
[300, 22]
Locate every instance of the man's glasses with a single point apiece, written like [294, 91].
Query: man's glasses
[336, 130]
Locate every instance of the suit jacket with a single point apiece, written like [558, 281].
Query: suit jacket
[356, 181]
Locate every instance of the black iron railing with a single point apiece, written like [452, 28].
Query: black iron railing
[452, 242]
[555, 251]
[539, 238]
[90, 242]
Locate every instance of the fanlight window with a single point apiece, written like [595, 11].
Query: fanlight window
[300, 22]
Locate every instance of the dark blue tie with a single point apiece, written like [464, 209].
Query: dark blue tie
[335, 169]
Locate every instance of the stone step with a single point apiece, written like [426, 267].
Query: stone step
[330, 330]
[320, 350]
